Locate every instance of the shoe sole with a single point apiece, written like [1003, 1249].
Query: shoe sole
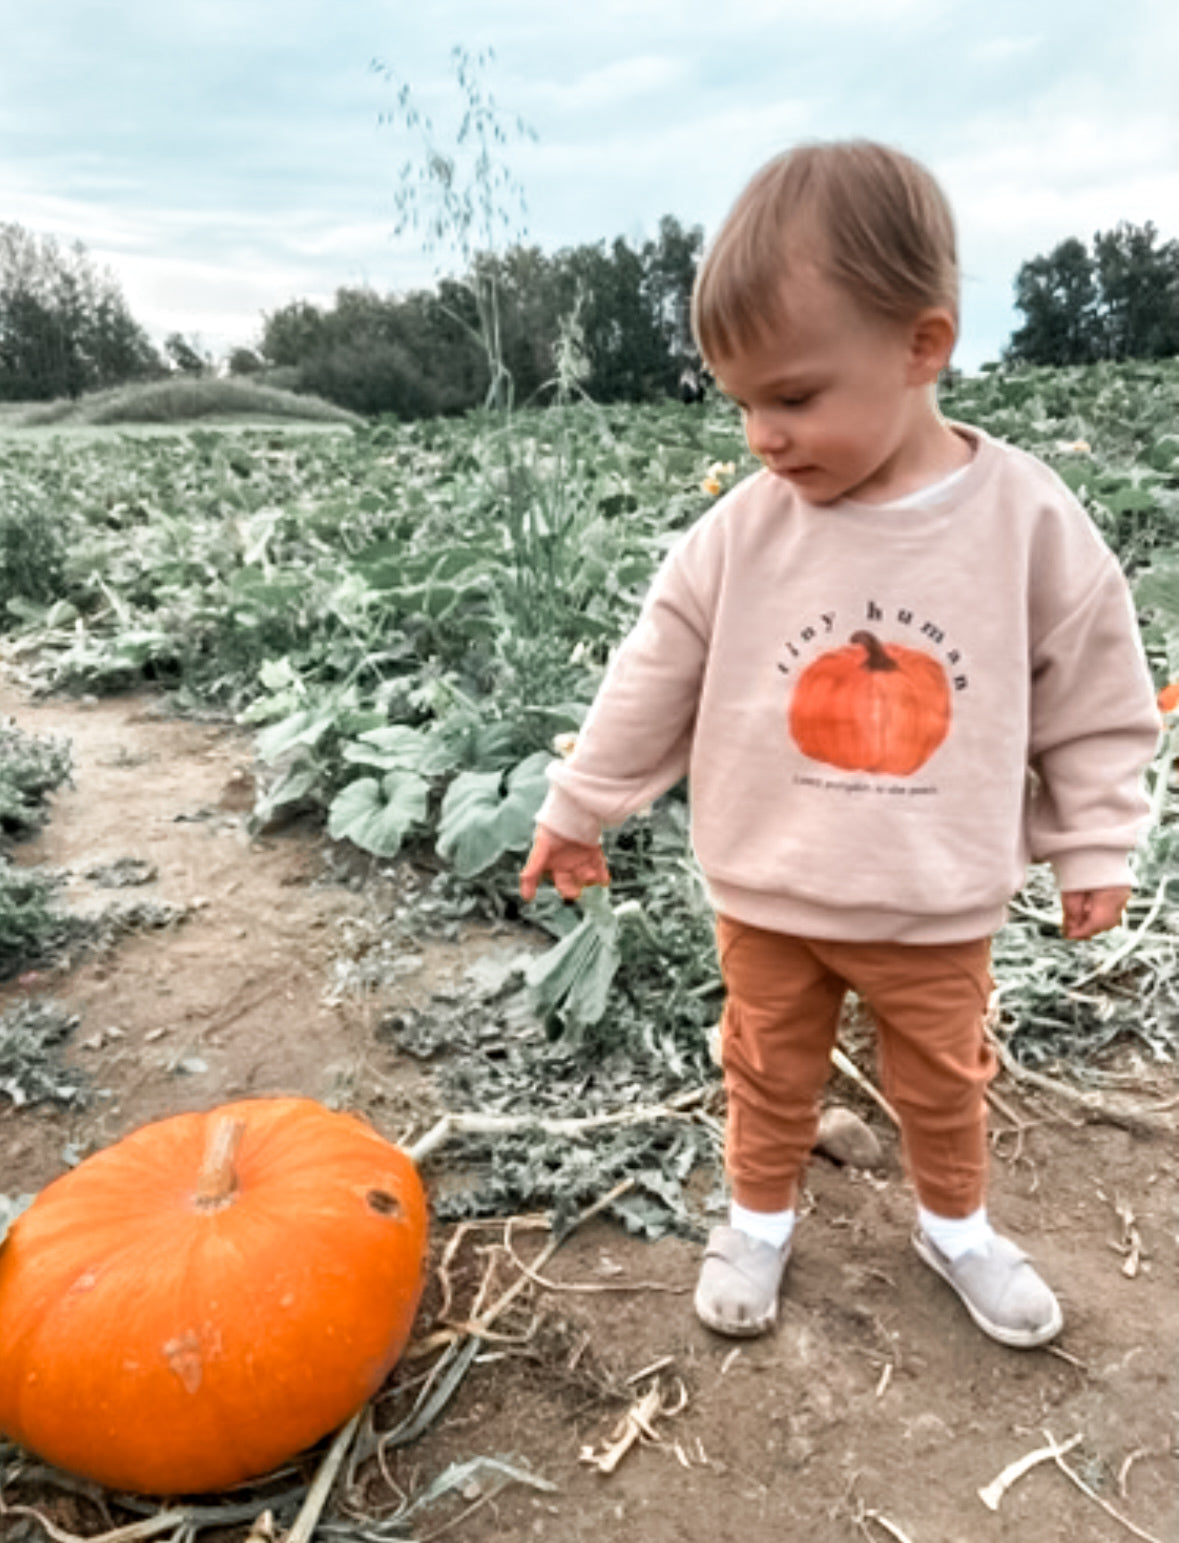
[1016, 1339]
[750, 1328]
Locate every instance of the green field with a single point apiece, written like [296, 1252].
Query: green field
[408, 614]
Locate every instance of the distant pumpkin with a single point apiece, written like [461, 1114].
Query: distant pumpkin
[871, 707]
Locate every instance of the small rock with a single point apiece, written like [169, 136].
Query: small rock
[926, 1432]
[844, 1137]
[239, 792]
[192, 1066]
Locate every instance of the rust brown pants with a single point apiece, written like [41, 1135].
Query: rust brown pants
[784, 996]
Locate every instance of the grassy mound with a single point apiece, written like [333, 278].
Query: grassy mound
[181, 399]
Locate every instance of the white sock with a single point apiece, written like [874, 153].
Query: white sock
[955, 1235]
[772, 1227]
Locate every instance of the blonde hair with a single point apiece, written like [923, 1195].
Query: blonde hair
[874, 222]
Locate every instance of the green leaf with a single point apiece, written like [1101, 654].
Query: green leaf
[572, 981]
[1135, 499]
[306, 727]
[375, 816]
[278, 674]
[292, 788]
[396, 746]
[479, 823]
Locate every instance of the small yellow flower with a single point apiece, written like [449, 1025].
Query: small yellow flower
[565, 744]
[710, 485]
[1074, 447]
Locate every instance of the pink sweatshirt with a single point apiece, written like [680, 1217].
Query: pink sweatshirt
[884, 711]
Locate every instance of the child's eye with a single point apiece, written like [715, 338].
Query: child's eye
[796, 401]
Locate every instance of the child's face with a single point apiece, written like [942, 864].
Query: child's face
[835, 401]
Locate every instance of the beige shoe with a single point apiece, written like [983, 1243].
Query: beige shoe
[737, 1293]
[1000, 1289]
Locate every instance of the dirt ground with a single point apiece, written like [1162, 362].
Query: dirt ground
[875, 1411]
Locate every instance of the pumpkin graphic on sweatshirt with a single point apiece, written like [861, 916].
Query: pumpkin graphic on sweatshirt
[871, 707]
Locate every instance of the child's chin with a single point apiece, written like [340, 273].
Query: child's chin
[814, 486]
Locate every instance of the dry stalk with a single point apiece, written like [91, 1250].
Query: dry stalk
[1110, 1511]
[546, 1253]
[1130, 1244]
[863, 1515]
[992, 1493]
[1131, 1458]
[848, 1067]
[317, 1496]
[1055, 1452]
[134, 1532]
[452, 1366]
[455, 1521]
[513, 1124]
[585, 1287]
[637, 1424]
[1137, 1121]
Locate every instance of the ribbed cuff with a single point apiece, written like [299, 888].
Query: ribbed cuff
[567, 818]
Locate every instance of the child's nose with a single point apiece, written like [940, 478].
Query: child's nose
[764, 432]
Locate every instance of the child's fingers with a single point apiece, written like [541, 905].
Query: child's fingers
[534, 869]
[567, 885]
[578, 873]
[572, 866]
[1090, 911]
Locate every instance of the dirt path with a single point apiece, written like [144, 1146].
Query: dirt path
[875, 1411]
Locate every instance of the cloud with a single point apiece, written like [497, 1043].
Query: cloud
[1002, 49]
[233, 150]
[1060, 171]
[614, 85]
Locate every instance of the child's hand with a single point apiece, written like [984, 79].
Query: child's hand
[572, 864]
[1090, 911]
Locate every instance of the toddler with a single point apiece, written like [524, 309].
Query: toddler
[896, 664]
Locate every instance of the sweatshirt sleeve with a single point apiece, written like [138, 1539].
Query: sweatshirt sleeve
[1094, 728]
[636, 740]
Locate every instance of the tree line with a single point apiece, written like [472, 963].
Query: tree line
[1117, 299]
[609, 319]
[64, 325]
[65, 328]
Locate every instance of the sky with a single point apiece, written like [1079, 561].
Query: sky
[223, 158]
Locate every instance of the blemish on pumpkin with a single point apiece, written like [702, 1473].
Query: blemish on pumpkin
[184, 1357]
[85, 1281]
[382, 1202]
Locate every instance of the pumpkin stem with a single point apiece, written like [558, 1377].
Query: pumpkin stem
[877, 658]
[217, 1183]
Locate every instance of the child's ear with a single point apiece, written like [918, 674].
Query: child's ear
[931, 342]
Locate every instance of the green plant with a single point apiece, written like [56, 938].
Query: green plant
[464, 198]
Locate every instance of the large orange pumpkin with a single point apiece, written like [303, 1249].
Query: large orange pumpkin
[209, 1296]
[871, 706]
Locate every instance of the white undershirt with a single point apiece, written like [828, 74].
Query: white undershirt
[923, 497]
